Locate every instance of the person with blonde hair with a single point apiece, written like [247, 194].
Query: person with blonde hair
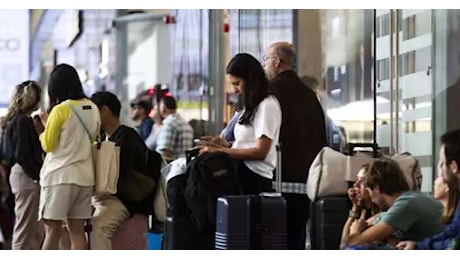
[361, 204]
[22, 156]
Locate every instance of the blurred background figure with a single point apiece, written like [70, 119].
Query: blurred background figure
[140, 114]
[336, 138]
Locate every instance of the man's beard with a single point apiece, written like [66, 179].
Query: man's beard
[135, 117]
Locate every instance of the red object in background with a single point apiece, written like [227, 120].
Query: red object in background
[166, 93]
[169, 19]
[226, 27]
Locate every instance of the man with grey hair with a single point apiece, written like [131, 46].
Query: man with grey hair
[302, 135]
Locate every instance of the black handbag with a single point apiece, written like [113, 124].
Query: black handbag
[136, 186]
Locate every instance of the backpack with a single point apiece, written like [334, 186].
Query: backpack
[141, 184]
[153, 164]
[210, 175]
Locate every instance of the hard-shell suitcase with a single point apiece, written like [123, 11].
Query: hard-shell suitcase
[252, 222]
[179, 231]
[181, 234]
[329, 216]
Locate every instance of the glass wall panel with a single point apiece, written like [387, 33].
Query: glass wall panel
[143, 57]
[404, 61]
[347, 62]
[255, 30]
[446, 73]
[190, 50]
[252, 31]
[175, 54]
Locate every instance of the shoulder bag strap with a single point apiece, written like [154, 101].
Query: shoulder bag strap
[81, 121]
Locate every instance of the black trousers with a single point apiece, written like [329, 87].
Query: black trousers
[251, 182]
[298, 209]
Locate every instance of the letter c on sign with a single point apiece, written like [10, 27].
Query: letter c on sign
[9, 44]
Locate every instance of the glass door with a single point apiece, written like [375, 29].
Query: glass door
[143, 56]
[404, 85]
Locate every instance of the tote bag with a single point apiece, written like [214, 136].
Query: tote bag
[106, 159]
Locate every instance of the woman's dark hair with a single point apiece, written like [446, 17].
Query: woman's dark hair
[170, 102]
[64, 84]
[255, 88]
[451, 142]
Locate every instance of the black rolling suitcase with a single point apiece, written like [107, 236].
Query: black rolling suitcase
[179, 231]
[181, 228]
[329, 214]
[252, 222]
[181, 234]
[328, 217]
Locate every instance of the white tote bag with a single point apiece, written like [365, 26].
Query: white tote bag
[160, 200]
[106, 159]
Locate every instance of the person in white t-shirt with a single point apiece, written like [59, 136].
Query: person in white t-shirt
[67, 174]
[258, 127]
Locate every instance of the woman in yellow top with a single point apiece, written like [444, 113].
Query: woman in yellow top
[67, 175]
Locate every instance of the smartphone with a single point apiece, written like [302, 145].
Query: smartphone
[199, 142]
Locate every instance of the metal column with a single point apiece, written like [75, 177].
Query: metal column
[121, 58]
[216, 70]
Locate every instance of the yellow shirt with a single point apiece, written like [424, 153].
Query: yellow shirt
[68, 146]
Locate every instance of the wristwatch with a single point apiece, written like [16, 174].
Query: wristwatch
[353, 214]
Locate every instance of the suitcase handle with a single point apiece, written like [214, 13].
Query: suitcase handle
[373, 146]
[278, 171]
[191, 154]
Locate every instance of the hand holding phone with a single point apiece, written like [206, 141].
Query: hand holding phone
[200, 142]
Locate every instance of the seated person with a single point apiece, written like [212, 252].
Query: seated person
[412, 214]
[362, 205]
[258, 128]
[446, 191]
[112, 211]
[449, 155]
[176, 135]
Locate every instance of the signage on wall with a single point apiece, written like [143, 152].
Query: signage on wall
[67, 28]
[9, 44]
[14, 51]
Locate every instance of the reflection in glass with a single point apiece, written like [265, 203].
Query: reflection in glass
[253, 31]
[348, 67]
